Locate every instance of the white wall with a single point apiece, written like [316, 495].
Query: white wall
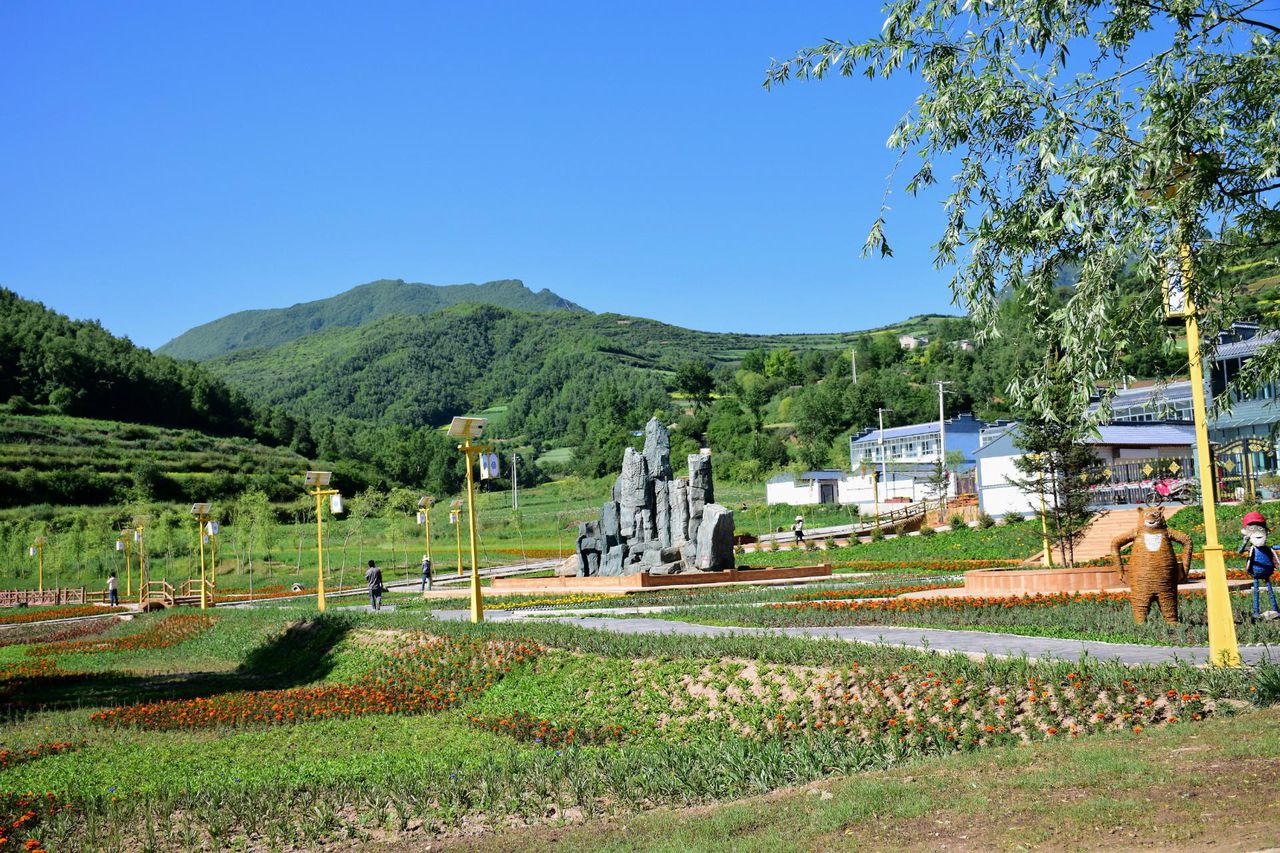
[996, 494]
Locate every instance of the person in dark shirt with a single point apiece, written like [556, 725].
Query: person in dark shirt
[426, 573]
[1260, 563]
[374, 577]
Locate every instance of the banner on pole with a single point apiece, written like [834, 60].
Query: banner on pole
[489, 466]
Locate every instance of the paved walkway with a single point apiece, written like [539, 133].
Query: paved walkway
[973, 643]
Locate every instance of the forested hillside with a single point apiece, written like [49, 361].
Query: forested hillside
[363, 304]
[75, 367]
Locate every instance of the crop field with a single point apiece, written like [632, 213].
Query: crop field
[280, 728]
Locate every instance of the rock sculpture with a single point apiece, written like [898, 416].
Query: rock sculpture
[1153, 571]
[657, 522]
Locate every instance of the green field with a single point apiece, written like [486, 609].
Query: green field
[382, 727]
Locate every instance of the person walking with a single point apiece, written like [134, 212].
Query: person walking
[374, 577]
[113, 590]
[426, 573]
[798, 529]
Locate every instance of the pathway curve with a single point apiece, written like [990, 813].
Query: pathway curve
[974, 643]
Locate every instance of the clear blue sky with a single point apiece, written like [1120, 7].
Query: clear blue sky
[164, 164]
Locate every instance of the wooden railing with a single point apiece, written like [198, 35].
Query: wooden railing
[160, 591]
[32, 598]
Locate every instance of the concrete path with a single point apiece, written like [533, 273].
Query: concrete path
[973, 643]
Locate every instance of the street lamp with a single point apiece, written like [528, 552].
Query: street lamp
[424, 518]
[136, 528]
[316, 481]
[469, 429]
[124, 542]
[201, 512]
[455, 518]
[37, 550]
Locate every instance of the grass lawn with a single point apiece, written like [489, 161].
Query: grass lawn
[1211, 788]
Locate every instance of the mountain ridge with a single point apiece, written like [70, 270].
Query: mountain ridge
[269, 327]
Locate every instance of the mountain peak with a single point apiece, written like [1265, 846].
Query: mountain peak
[354, 307]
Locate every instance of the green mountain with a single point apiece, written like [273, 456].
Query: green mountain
[363, 304]
[546, 367]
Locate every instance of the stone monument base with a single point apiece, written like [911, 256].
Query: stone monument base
[643, 580]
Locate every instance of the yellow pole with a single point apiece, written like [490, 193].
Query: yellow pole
[1223, 650]
[1044, 528]
[40, 560]
[204, 601]
[213, 561]
[477, 604]
[319, 552]
[457, 529]
[143, 576]
[128, 569]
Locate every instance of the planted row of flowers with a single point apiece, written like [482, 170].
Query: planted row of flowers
[45, 614]
[869, 592]
[21, 814]
[525, 727]
[13, 757]
[38, 633]
[433, 676]
[161, 634]
[959, 602]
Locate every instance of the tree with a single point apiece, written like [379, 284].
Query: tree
[1094, 135]
[695, 380]
[782, 364]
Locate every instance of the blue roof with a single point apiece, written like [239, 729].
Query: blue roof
[1146, 433]
[961, 423]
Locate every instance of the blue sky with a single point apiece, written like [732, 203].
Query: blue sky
[167, 163]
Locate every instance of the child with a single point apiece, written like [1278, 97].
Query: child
[1261, 562]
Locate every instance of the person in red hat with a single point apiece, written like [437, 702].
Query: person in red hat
[1261, 561]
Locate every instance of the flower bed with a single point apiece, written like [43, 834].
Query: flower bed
[20, 814]
[167, 632]
[12, 758]
[544, 732]
[47, 613]
[437, 674]
[38, 633]
[875, 592]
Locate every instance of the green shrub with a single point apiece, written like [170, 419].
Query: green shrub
[957, 522]
[985, 521]
[1012, 517]
[927, 530]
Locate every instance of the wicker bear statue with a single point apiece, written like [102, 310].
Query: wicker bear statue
[1153, 571]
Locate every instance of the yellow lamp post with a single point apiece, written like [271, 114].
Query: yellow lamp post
[469, 429]
[201, 512]
[1223, 649]
[455, 518]
[424, 518]
[37, 550]
[316, 481]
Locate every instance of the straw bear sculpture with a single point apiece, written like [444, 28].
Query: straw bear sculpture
[1154, 571]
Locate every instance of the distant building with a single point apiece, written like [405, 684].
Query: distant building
[910, 455]
[963, 344]
[911, 341]
[1117, 446]
[811, 487]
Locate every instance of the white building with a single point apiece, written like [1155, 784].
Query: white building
[809, 488]
[911, 341]
[1116, 446]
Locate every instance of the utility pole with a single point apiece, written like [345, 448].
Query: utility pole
[880, 412]
[942, 446]
[515, 482]
[853, 360]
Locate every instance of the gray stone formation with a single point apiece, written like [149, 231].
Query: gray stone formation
[657, 522]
